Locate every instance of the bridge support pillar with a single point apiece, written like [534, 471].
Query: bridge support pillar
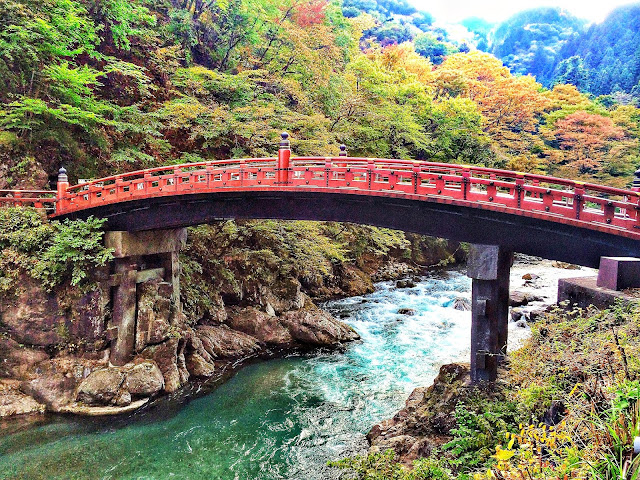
[142, 257]
[124, 312]
[488, 266]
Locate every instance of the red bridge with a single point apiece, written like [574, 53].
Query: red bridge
[535, 214]
[499, 211]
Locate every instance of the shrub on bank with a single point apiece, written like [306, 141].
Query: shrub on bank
[51, 252]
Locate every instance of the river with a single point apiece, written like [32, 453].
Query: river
[279, 419]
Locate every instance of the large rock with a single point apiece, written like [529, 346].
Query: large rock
[53, 382]
[283, 296]
[312, 326]
[519, 299]
[266, 328]
[225, 343]
[101, 387]
[32, 318]
[54, 391]
[353, 281]
[16, 360]
[14, 402]
[143, 380]
[169, 356]
[35, 317]
[198, 366]
[462, 304]
[392, 270]
[86, 320]
[427, 419]
[154, 313]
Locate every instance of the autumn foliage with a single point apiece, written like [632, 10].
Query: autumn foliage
[137, 83]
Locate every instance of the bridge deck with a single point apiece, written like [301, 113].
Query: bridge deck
[583, 206]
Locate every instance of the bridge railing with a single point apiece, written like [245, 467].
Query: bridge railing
[555, 199]
[45, 199]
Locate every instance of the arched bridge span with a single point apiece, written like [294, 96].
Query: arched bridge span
[550, 217]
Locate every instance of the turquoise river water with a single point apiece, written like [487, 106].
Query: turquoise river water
[277, 419]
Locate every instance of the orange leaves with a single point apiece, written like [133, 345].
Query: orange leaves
[587, 131]
[586, 138]
[511, 106]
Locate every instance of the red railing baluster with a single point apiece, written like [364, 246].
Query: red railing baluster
[327, 170]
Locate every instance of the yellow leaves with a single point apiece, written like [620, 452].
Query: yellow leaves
[540, 449]
[574, 389]
[181, 113]
[362, 22]
[503, 455]
[511, 106]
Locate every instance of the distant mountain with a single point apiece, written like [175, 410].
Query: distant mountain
[531, 41]
[549, 43]
[609, 52]
[480, 29]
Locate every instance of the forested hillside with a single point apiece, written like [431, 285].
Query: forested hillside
[608, 54]
[109, 86]
[556, 47]
[530, 42]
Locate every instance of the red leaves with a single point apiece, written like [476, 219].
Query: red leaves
[309, 13]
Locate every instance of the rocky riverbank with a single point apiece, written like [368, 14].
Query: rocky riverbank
[429, 416]
[37, 379]
[54, 345]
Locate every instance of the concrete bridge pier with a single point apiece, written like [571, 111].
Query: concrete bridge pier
[151, 258]
[488, 266]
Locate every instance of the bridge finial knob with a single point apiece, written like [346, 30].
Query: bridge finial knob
[284, 143]
[343, 150]
[62, 175]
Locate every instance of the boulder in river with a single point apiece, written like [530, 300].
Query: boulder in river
[101, 387]
[406, 311]
[266, 328]
[316, 327]
[462, 304]
[221, 342]
[144, 379]
[307, 326]
[519, 299]
[405, 283]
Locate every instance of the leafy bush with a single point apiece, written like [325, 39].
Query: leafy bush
[382, 466]
[51, 252]
[481, 423]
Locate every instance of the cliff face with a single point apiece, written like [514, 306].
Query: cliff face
[55, 345]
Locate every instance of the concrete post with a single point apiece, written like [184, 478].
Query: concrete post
[124, 312]
[488, 266]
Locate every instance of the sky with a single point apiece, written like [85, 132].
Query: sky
[451, 11]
